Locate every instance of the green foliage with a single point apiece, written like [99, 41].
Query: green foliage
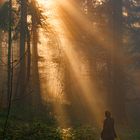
[4, 16]
[34, 131]
[129, 134]
[79, 133]
[41, 131]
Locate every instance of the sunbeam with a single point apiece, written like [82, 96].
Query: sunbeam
[89, 92]
[69, 69]
[69, 22]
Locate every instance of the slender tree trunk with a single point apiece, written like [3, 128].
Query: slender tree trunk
[1, 71]
[28, 55]
[118, 101]
[23, 35]
[35, 73]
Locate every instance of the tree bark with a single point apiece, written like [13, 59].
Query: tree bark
[23, 35]
[118, 87]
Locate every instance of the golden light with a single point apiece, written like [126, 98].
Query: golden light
[50, 69]
[45, 3]
[62, 26]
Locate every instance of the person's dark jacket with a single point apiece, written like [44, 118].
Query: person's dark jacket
[108, 132]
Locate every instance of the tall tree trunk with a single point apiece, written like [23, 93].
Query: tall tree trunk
[23, 35]
[28, 55]
[1, 71]
[35, 73]
[118, 93]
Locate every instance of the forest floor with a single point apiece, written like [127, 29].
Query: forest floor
[40, 130]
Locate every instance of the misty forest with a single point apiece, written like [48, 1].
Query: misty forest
[63, 63]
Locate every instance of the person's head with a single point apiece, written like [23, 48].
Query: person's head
[107, 114]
